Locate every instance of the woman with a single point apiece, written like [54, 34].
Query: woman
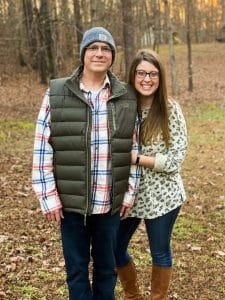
[163, 139]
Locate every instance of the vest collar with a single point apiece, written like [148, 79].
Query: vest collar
[117, 88]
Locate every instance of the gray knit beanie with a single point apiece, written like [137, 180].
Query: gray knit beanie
[97, 34]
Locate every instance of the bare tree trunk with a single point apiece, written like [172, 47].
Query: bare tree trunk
[12, 32]
[147, 25]
[223, 13]
[49, 38]
[188, 33]
[79, 27]
[94, 9]
[157, 25]
[41, 54]
[128, 31]
[171, 50]
[66, 30]
[31, 31]
[21, 57]
[196, 19]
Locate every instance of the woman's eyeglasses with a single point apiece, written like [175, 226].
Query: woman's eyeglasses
[142, 74]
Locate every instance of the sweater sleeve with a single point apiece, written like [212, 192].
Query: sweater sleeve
[42, 170]
[171, 160]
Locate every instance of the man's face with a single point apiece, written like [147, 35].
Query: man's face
[98, 57]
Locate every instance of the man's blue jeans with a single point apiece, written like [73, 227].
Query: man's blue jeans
[159, 232]
[96, 239]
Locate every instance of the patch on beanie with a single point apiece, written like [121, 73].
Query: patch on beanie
[102, 37]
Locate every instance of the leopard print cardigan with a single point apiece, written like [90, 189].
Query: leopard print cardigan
[161, 188]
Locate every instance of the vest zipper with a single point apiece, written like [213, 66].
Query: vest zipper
[87, 173]
[113, 116]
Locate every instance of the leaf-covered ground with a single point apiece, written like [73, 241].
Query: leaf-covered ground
[31, 263]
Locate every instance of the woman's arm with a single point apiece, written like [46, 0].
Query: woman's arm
[171, 160]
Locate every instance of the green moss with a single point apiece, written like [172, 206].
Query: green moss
[16, 125]
[206, 124]
[13, 131]
[2, 136]
[27, 292]
[203, 138]
[44, 275]
[63, 291]
[185, 227]
[211, 112]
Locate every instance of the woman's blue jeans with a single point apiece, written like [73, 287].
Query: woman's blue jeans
[96, 239]
[159, 232]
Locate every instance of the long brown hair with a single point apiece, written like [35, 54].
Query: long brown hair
[157, 120]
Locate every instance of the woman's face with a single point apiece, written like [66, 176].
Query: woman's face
[146, 79]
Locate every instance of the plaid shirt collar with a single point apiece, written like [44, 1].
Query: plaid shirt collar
[106, 84]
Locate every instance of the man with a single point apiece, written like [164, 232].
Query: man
[81, 165]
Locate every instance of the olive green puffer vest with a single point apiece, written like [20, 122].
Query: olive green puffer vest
[71, 141]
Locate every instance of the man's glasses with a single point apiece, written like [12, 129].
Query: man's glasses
[94, 49]
[142, 74]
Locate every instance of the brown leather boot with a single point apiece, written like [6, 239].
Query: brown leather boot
[160, 282]
[128, 279]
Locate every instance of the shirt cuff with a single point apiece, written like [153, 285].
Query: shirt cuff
[160, 162]
[50, 203]
[129, 199]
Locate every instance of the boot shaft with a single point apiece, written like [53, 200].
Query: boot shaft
[161, 277]
[128, 279]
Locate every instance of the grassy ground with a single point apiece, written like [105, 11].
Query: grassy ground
[31, 263]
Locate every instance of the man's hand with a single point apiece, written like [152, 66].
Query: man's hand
[55, 215]
[124, 211]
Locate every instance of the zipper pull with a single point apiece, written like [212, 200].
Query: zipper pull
[85, 219]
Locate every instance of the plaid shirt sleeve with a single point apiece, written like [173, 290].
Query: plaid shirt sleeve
[135, 171]
[43, 180]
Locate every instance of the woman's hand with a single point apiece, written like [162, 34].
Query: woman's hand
[124, 211]
[134, 155]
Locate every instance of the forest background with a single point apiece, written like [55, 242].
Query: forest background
[39, 40]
